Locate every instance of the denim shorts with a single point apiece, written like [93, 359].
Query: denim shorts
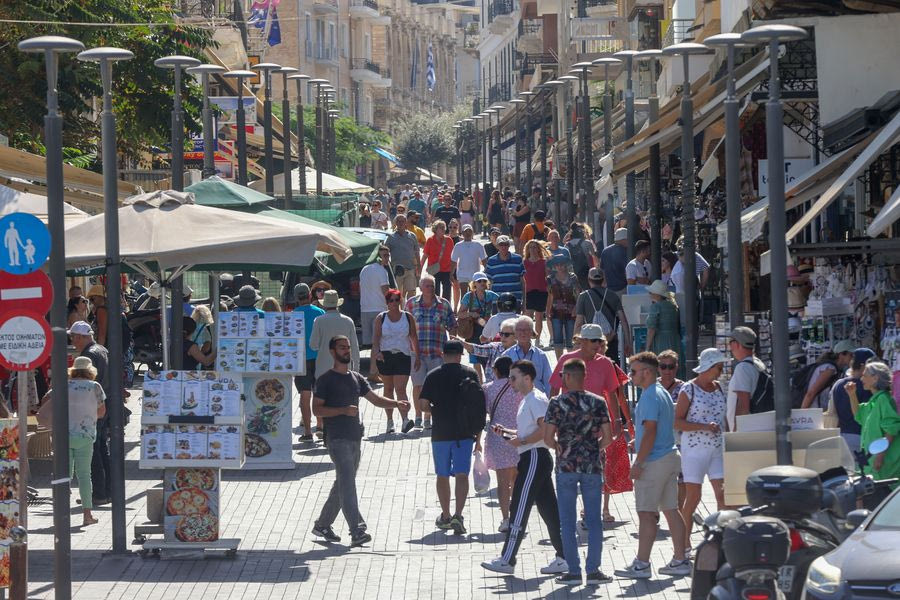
[452, 458]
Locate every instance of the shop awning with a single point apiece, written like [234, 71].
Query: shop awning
[389, 156]
[215, 191]
[12, 201]
[887, 216]
[331, 184]
[875, 144]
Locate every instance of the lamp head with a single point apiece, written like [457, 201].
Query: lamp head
[50, 43]
[176, 61]
[106, 53]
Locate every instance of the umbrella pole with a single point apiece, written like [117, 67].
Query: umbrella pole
[214, 306]
[164, 318]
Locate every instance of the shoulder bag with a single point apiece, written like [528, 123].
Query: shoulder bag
[435, 268]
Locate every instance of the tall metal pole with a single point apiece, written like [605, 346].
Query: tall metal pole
[773, 35]
[655, 193]
[529, 143]
[269, 159]
[484, 154]
[318, 83]
[241, 117]
[106, 56]
[50, 46]
[545, 116]
[686, 50]
[476, 156]
[286, 131]
[520, 106]
[607, 139]
[732, 180]
[301, 142]
[499, 108]
[584, 129]
[631, 218]
[209, 139]
[490, 140]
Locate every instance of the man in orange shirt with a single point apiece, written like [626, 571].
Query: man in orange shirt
[536, 230]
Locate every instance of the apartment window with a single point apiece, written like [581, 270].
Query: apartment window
[367, 45]
[345, 43]
[332, 40]
[344, 102]
[309, 33]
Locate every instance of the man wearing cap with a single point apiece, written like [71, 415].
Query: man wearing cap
[491, 248]
[554, 247]
[613, 260]
[744, 376]
[416, 203]
[330, 325]
[451, 446]
[678, 270]
[412, 218]
[840, 400]
[404, 248]
[506, 270]
[637, 271]
[246, 300]
[306, 382]
[831, 367]
[536, 230]
[468, 256]
[599, 297]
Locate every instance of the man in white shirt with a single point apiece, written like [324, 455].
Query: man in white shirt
[678, 269]
[637, 271]
[373, 285]
[744, 376]
[506, 304]
[467, 255]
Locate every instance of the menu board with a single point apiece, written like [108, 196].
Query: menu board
[251, 343]
[191, 393]
[267, 422]
[191, 504]
[9, 491]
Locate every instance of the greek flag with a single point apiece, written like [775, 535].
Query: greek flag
[429, 70]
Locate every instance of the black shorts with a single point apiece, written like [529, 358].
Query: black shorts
[306, 383]
[394, 363]
[536, 300]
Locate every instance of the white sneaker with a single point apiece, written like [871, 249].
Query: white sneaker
[635, 572]
[556, 566]
[426, 424]
[504, 526]
[498, 565]
[677, 567]
[390, 427]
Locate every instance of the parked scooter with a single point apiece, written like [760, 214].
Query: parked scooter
[756, 548]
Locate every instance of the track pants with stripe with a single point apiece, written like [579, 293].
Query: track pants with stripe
[534, 485]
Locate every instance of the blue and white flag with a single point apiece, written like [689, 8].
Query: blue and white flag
[429, 70]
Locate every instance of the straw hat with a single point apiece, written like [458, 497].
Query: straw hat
[83, 363]
[658, 288]
[331, 299]
[97, 290]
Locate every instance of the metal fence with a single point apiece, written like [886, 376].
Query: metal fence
[679, 31]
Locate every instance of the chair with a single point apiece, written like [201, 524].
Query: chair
[38, 445]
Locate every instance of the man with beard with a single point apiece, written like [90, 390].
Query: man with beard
[336, 401]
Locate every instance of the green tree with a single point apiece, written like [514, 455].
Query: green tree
[142, 93]
[425, 140]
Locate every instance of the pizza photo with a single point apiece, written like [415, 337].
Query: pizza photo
[185, 478]
[256, 446]
[188, 501]
[269, 392]
[198, 528]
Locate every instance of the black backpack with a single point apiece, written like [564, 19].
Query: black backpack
[473, 411]
[538, 234]
[800, 381]
[579, 256]
[763, 397]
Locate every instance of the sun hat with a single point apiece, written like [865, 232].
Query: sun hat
[247, 296]
[154, 290]
[621, 234]
[332, 299]
[80, 328]
[743, 336]
[96, 290]
[83, 363]
[591, 331]
[710, 358]
[480, 276]
[658, 288]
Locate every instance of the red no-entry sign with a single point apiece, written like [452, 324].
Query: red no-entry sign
[31, 292]
[25, 340]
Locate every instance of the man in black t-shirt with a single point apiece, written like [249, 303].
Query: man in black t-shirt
[336, 403]
[447, 211]
[450, 446]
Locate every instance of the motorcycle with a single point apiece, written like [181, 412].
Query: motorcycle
[756, 548]
[146, 332]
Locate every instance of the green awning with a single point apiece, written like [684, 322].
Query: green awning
[221, 193]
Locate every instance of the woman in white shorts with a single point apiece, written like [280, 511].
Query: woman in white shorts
[700, 417]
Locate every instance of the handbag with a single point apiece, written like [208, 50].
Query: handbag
[465, 326]
[434, 269]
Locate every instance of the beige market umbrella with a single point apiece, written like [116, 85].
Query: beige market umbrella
[34, 204]
[331, 184]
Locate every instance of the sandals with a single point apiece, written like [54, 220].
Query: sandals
[608, 518]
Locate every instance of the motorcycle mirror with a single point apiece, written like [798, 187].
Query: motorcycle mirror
[855, 518]
[878, 446]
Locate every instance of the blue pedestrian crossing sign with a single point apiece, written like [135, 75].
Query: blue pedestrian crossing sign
[26, 243]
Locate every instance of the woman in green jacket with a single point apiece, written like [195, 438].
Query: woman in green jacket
[879, 419]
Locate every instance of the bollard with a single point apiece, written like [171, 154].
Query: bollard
[18, 564]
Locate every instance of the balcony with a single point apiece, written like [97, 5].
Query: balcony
[602, 8]
[321, 54]
[364, 70]
[364, 9]
[679, 31]
[325, 7]
[500, 15]
[498, 93]
[530, 61]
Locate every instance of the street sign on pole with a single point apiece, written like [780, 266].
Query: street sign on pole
[25, 340]
[26, 243]
[32, 292]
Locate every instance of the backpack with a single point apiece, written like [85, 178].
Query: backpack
[763, 397]
[473, 407]
[599, 316]
[579, 256]
[538, 234]
[800, 380]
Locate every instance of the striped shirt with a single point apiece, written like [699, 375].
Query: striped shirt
[506, 275]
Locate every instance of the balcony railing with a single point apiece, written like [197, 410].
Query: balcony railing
[529, 61]
[316, 52]
[592, 3]
[207, 9]
[499, 8]
[368, 65]
[327, 4]
[498, 93]
[531, 27]
[366, 3]
[679, 31]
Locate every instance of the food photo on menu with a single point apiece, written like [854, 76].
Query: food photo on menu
[191, 502]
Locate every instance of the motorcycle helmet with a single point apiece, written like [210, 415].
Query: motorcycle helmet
[507, 302]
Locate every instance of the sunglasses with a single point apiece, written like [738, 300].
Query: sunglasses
[506, 334]
[667, 366]
[320, 291]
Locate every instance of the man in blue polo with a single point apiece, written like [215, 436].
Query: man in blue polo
[506, 270]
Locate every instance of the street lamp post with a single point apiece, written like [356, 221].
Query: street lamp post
[498, 108]
[519, 105]
[470, 121]
[490, 149]
[551, 87]
[105, 57]
[730, 41]
[332, 131]
[529, 142]
[478, 155]
[584, 124]
[484, 155]
[631, 219]
[773, 35]
[286, 72]
[319, 83]
[241, 118]
[50, 46]
[686, 50]
[209, 161]
[301, 142]
[607, 138]
[655, 193]
[172, 354]
[573, 165]
[457, 152]
[266, 69]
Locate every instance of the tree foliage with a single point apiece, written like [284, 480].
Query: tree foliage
[142, 93]
[425, 140]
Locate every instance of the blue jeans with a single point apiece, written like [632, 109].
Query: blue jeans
[563, 331]
[592, 494]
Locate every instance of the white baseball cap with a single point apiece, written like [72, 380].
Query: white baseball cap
[81, 328]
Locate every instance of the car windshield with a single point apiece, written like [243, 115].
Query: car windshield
[888, 517]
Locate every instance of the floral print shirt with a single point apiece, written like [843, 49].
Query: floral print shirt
[578, 417]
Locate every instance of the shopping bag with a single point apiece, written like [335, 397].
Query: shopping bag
[481, 475]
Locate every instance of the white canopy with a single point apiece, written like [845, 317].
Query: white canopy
[331, 184]
[888, 214]
[166, 230]
[25, 202]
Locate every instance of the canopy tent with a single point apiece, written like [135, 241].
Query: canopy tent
[215, 191]
[15, 201]
[887, 216]
[331, 184]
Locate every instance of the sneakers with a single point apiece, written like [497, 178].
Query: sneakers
[569, 579]
[426, 424]
[443, 523]
[596, 578]
[635, 571]
[418, 421]
[456, 522]
[677, 567]
[306, 437]
[408, 426]
[327, 533]
[498, 565]
[390, 427]
[363, 538]
[557, 565]
[504, 526]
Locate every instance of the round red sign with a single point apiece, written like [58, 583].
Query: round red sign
[25, 340]
[32, 292]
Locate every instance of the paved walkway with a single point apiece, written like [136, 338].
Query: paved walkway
[272, 512]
